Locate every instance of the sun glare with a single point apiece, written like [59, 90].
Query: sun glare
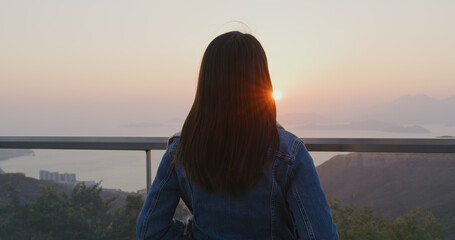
[276, 95]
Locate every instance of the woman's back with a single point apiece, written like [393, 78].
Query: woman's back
[286, 203]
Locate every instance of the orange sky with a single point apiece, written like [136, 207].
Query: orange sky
[132, 61]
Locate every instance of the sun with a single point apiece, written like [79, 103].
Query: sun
[276, 95]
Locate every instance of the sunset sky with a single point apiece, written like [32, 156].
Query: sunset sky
[85, 67]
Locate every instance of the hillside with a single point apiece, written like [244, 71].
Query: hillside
[394, 183]
[30, 189]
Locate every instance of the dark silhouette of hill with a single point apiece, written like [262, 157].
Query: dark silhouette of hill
[410, 109]
[394, 183]
[417, 109]
[29, 189]
[366, 125]
[6, 154]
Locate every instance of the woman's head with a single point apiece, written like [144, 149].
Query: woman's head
[234, 75]
[230, 134]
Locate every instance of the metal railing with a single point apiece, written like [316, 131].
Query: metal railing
[147, 144]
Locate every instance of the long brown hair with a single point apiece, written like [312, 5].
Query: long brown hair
[230, 136]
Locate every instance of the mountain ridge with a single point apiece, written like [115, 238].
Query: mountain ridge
[394, 183]
[408, 109]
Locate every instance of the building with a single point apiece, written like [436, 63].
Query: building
[68, 178]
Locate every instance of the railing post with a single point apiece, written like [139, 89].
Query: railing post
[148, 164]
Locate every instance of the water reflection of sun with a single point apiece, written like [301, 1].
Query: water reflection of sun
[276, 95]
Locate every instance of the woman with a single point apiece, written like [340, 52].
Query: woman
[240, 175]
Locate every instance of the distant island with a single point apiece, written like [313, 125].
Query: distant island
[6, 154]
[367, 125]
[417, 109]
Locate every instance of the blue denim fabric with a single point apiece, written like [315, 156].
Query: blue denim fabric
[287, 203]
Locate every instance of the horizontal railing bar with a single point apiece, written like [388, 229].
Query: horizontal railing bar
[416, 145]
[85, 143]
[404, 145]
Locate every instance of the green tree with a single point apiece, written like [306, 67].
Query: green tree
[416, 225]
[125, 217]
[354, 223]
[81, 215]
[361, 224]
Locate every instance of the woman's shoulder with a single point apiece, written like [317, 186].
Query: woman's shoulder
[290, 144]
[172, 142]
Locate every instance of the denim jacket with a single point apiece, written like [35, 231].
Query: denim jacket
[287, 203]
